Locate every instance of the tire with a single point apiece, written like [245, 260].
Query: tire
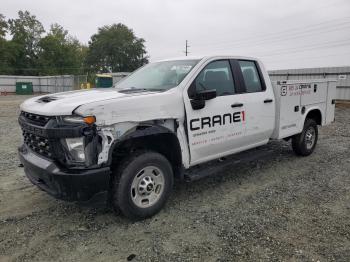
[304, 143]
[142, 184]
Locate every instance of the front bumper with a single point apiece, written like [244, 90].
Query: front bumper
[80, 185]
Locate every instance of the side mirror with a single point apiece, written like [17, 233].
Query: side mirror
[198, 102]
[206, 94]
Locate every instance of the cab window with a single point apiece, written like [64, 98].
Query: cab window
[250, 76]
[216, 75]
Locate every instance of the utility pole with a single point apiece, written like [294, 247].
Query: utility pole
[186, 48]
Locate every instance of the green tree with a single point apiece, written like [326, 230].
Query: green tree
[7, 49]
[26, 33]
[60, 53]
[115, 48]
[3, 26]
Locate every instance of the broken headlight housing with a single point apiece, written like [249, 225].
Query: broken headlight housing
[75, 147]
[80, 146]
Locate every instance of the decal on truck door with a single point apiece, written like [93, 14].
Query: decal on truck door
[283, 90]
[217, 120]
[215, 124]
[296, 90]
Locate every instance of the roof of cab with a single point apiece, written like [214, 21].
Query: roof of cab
[207, 57]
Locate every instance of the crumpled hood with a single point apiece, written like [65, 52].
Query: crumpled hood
[144, 106]
[66, 102]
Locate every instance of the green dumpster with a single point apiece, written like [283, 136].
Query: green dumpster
[104, 81]
[24, 88]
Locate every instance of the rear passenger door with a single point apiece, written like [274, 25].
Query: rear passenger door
[258, 99]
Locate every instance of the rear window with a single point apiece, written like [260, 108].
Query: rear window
[251, 76]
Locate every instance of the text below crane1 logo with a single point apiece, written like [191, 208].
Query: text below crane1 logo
[217, 120]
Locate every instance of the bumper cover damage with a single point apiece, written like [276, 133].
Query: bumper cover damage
[77, 185]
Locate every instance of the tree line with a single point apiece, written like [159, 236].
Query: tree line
[27, 49]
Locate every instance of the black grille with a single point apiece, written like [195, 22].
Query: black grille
[36, 119]
[37, 143]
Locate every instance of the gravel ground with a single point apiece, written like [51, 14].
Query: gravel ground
[281, 208]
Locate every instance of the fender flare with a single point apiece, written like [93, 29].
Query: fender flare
[316, 108]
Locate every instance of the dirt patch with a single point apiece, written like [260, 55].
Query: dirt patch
[343, 104]
[284, 208]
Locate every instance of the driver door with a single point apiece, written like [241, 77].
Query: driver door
[216, 128]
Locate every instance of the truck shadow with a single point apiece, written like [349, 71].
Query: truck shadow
[233, 169]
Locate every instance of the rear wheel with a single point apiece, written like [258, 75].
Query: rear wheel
[142, 184]
[304, 143]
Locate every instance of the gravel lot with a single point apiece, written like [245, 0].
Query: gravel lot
[280, 208]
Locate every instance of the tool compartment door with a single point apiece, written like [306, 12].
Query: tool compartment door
[313, 93]
[290, 117]
[330, 108]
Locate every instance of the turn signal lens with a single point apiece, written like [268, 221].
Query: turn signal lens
[89, 120]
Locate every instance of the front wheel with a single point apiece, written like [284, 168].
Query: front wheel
[304, 143]
[142, 184]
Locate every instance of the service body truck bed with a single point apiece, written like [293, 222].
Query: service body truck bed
[168, 116]
[295, 98]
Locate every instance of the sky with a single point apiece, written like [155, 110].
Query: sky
[282, 33]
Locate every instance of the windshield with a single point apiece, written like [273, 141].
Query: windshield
[158, 76]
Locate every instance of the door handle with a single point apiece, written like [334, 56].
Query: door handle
[237, 105]
[269, 100]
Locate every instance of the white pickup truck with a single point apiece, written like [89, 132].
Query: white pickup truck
[166, 117]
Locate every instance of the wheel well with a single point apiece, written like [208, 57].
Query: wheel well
[316, 115]
[166, 144]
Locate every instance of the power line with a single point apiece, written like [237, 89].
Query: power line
[287, 32]
[307, 58]
[304, 48]
[345, 42]
[298, 28]
[288, 37]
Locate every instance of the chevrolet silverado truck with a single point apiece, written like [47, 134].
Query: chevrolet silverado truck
[133, 140]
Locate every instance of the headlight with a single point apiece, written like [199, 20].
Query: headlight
[73, 119]
[75, 147]
[80, 119]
